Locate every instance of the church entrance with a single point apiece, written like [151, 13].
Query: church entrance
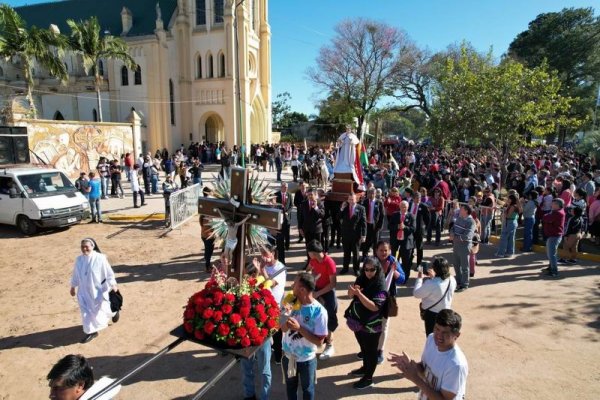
[213, 129]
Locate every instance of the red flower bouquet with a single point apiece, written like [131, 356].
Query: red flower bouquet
[231, 316]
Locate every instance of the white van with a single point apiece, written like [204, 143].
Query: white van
[33, 198]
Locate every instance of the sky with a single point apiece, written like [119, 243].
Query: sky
[301, 27]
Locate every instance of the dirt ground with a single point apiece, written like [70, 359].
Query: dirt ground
[525, 337]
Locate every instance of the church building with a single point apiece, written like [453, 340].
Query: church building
[184, 87]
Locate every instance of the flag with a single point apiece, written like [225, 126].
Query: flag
[357, 166]
[363, 155]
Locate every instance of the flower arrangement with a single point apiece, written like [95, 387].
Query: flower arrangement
[231, 315]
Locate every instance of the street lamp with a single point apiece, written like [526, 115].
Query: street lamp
[239, 87]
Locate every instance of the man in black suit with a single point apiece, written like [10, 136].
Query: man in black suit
[326, 220]
[299, 198]
[406, 227]
[310, 218]
[421, 214]
[284, 201]
[374, 215]
[354, 231]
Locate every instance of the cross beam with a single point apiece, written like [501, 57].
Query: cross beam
[237, 207]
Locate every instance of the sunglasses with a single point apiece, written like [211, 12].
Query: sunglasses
[370, 269]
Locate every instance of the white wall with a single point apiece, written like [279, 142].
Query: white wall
[52, 103]
[88, 101]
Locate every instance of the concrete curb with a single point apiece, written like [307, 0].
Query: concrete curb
[561, 253]
[137, 218]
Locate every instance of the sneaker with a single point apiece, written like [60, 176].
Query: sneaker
[363, 384]
[90, 337]
[562, 261]
[327, 353]
[359, 355]
[460, 289]
[552, 274]
[547, 269]
[358, 372]
[380, 357]
[116, 317]
[571, 261]
[498, 255]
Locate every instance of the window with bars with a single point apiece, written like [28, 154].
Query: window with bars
[219, 11]
[124, 76]
[137, 78]
[200, 12]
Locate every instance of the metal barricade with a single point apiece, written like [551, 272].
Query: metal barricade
[183, 205]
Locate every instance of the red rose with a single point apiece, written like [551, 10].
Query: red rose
[271, 323]
[223, 329]
[189, 313]
[255, 296]
[208, 302]
[273, 312]
[260, 308]
[245, 300]
[227, 309]
[188, 326]
[207, 313]
[209, 327]
[263, 332]
[229, 297]
[262, 317]
[250, 322]
[257, 342]
[235, 318]
[252, 281]
[199, 308]
[245, 342]
[266, 293]
[240, 332]
[217, 316]
[218, 298]
[245, 311]
[198, 300]
[198, 334]
[232, 342]
[253, 333]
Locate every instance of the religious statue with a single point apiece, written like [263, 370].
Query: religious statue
[231, 240]
[346, 155]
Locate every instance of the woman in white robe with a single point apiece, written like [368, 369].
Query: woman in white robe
[94, 278]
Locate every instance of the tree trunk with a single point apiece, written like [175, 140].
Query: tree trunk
[97, 82]
[29, 83]
[361, 120]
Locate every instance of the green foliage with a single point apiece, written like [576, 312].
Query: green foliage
[87, 41]
[29, 45]
[479, 102]
[279, 108]
[590, 145]
[569, 43]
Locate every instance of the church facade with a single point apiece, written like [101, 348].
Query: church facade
[184, 87]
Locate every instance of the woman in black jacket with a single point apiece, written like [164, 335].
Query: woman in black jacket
[573, 234]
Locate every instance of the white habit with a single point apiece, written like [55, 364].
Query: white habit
[346, 155]
[92, 294]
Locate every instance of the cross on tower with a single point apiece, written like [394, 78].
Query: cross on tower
[239, 211]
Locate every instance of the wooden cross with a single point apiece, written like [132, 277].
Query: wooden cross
[237, 209]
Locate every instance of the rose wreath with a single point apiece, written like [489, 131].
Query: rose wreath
[231, 316]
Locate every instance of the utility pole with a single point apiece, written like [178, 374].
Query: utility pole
[238, 84]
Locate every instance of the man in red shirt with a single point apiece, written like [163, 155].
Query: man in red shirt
[324, 270]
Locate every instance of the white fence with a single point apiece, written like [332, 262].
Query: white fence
[183, 205]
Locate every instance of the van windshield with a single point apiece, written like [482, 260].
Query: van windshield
[46, 184]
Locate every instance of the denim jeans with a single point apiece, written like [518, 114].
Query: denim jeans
[486, 228]
[262, 360]
[306, 373]
[507, 238]
[552, 243]
[528, 233]
[435, 224]
[95, 209]
[154, 180]
[461, 252]
[104, 185]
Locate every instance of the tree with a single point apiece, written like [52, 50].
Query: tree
[293, 118]
[86, 40]
[568, 42]
[27, 46]
[414, 78]
[590, 145]
[279, 108]
[359, 64]
[501, 104]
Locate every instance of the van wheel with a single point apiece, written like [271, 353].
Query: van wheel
[26, 226]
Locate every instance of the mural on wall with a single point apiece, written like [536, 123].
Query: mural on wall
[75, 148]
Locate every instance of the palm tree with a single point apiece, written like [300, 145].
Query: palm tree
[87, 41]
[30, 45]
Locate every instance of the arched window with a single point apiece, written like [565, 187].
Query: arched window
[137, 78]
[100, 68]
[211, 72]
[219, 8]
[222, 65]
[58, 116]
[172, 101]
[200, 12]
[94, 115]
[124, 76]
[199, 68]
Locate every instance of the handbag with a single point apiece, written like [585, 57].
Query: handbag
[392, 303]
[422, 310]
[392, 307]
[116, 300]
